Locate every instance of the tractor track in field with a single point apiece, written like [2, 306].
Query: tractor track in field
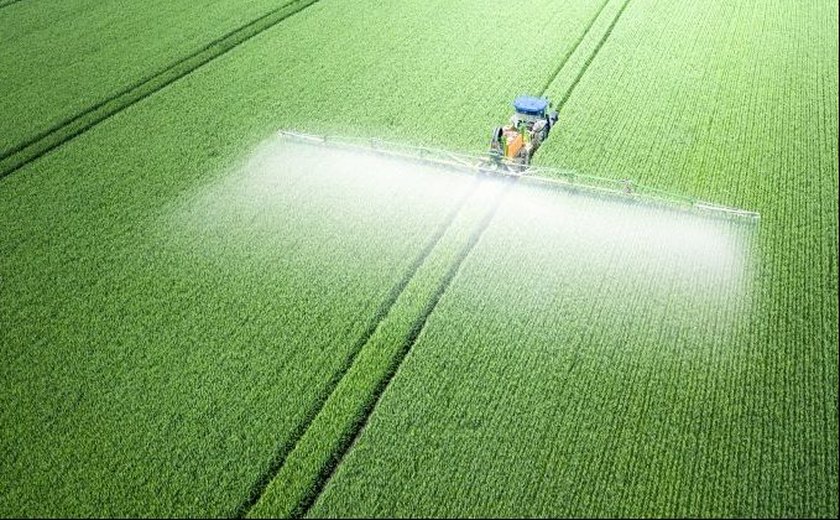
[28, 151]
[8, 3]
[591, 57]
[381, 313]
[416, 328]
[574, 48]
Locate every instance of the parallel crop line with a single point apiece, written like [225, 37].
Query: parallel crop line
[573, 49]
[416, 329]
[419, 324]
[50, 139]
[606, 465]
[283, 451]
[592, 56]
[8, 3]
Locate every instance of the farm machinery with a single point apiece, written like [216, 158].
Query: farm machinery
[512, 146]
[510, 153]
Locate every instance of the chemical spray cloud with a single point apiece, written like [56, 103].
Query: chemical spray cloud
[574, 237]
[639, 237]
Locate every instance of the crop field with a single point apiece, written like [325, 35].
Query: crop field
[201, 317]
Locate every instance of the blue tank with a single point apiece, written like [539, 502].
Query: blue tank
[530, 105]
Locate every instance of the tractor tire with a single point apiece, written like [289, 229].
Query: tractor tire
[496, 137]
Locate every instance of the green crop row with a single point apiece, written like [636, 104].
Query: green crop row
[612, 329]
[60, 58]
[172, 313]
[737, 104]
[578, 367]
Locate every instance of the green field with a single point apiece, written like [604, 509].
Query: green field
[201, 318]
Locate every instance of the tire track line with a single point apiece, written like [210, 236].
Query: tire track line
[573, 50]
[8, 3]
[592, 56]
[282, 452]
[48, 140]
[414, 333]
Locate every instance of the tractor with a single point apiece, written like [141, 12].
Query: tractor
[512, 146]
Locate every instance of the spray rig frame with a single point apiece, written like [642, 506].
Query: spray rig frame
[511, 148]
[566, 180]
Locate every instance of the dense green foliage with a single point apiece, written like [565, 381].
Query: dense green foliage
[199, 319]
[592, 341]
[60, 58]
[621, 400]
[129, 401]
[162, 343]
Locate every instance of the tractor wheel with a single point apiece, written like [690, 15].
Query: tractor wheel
[497, 135]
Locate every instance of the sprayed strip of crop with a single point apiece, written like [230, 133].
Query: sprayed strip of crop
[320, 451]
[676, 405]
[528, 414]
[47, 140]
[381, 313]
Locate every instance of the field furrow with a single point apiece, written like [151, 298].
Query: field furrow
[158, 220]
[200, 316]
[65, 59]
[720, 401]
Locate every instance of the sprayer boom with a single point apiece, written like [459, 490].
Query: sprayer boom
[567, 180]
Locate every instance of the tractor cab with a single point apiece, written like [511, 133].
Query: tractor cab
[529, 126]
[529, 109]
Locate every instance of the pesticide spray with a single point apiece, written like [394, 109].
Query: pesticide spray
[634, 253]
